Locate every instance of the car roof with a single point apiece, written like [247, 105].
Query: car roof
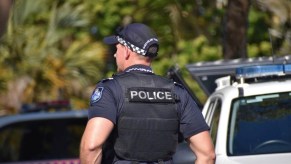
[259, 88]
[205, 73]
[42, 115]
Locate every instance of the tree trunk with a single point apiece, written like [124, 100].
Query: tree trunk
[5, 6]
[235, 29]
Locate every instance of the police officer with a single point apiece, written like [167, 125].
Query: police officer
[141, 111]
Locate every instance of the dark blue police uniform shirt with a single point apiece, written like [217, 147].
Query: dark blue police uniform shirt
[106, 101]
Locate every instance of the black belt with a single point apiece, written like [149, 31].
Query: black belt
[118, 160]
[134, 162]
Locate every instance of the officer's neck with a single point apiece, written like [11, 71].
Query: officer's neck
[133, 59]
[137, 64]
[139, 68]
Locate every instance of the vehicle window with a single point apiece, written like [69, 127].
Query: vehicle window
[215, 120]
[213, 115]
[260, 125]
[41, 140]
[209, 111]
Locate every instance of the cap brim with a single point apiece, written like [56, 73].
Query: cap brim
[110, 40]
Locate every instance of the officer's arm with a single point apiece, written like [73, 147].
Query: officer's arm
[95, 134]
[201, 145]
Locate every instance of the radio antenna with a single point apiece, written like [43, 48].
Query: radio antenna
[270, 37]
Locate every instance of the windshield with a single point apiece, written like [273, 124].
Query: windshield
[260, 125]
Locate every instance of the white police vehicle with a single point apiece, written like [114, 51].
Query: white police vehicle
[249, 112]
[50, 133]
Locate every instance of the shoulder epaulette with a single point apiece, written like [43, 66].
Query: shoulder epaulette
[179, 85]
[104, 80]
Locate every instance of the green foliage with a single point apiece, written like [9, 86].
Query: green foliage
[193, 85]
[258, 36]
[57, 45]
[51, 46]
[260, 49]
[198, 49]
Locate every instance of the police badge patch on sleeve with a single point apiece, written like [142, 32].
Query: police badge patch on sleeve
[96, 96]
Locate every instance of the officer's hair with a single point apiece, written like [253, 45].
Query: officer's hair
[141, 57]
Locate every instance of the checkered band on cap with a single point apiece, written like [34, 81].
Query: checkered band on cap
[131, 46]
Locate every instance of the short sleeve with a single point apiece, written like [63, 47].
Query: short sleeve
[191, 119]
[103, 101]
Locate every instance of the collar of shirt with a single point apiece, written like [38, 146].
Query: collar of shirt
[140, 68]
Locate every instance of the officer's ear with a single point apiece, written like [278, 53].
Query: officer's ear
[127, 53]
